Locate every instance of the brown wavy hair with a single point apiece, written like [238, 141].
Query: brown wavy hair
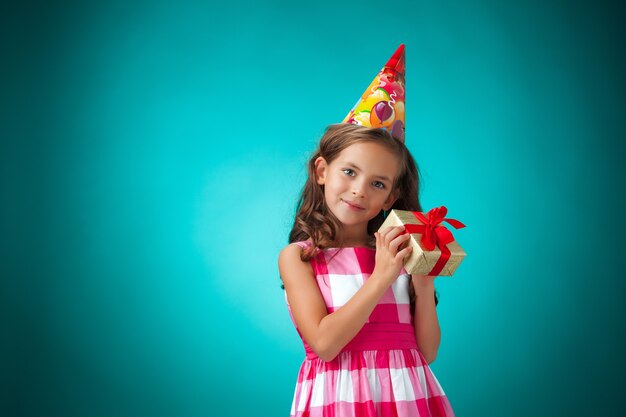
[313, 219]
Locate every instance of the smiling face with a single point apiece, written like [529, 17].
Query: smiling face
[358, 185]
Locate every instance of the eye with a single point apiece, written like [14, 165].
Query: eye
[378, 184]
[348, 171]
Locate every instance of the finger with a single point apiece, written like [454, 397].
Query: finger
[399, 241]
[404, 253]
[395, 232]
[381, 236]
[386, 230]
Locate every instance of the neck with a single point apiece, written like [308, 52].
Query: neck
[354, 237]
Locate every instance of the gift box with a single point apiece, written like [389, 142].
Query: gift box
[435, 251]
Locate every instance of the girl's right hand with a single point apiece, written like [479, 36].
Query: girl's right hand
[390, 253]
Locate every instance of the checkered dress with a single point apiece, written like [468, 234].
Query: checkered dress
[381, 372]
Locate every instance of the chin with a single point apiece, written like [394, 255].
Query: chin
[354, 220]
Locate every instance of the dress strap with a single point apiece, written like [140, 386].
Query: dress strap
[318, 260]
[303, 244]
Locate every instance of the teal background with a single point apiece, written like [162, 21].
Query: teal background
[152, 154]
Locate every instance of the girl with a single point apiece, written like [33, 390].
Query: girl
[369, 328]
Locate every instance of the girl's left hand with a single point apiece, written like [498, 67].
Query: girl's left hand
[423, 282]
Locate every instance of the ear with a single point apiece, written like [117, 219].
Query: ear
[393, 196]
[321, 169]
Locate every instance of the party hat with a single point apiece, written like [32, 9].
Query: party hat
[382, 104]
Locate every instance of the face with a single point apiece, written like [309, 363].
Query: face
[358, 183]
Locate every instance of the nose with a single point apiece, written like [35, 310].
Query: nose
[357, 189]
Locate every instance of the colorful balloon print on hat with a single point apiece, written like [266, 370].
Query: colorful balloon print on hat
[382, 104]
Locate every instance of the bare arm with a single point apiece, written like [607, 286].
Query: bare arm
[327, 333]
[427, 330]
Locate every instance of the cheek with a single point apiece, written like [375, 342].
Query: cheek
[336, 183]
[382, 198]
[329, 191]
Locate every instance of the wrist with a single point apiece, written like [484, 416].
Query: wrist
[423, 284]
[382, 280]
[382, 274]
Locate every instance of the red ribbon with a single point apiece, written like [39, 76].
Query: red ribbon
[434, 234]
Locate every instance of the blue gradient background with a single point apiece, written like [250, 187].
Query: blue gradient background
[152, 153]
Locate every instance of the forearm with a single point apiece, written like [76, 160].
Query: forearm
[338, 328]
[427, 331]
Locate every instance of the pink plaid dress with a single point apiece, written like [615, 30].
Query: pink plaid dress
[381, 372]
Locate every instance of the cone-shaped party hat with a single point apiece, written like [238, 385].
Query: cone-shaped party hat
[382, 104]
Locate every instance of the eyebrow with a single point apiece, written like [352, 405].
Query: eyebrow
[382, 177]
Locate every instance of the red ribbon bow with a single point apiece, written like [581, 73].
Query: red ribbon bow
[434, 234]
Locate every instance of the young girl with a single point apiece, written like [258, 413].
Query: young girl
[369, 328]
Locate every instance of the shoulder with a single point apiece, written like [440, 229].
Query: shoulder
[295, 247]
[291, 253]
[290, 265]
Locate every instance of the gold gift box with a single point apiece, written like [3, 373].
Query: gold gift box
[422, 261]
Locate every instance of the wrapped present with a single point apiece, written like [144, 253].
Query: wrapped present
[435, 252]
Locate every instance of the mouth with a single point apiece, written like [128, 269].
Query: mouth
[352, 205]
